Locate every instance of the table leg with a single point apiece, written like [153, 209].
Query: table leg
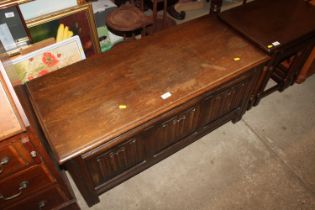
[175, 14]
[82, 180]
[215, 6]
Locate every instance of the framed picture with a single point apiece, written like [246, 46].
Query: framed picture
[11, 122]
[38, 8]
[79, 19]
[9, 3]
[46, 60]
[13, 31]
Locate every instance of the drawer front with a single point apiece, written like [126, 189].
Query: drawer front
[219, 104]
[15, 155]
[107, 164]
[172, 130]
[24, 183]
[47, 199]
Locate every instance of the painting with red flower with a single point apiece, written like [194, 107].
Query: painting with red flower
[47, 59]
[43, 72]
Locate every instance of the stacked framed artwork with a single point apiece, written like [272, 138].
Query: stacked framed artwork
[78, 19]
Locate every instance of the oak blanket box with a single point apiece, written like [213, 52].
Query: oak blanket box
[113, 115]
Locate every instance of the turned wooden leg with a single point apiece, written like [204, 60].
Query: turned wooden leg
[215, 6]
[175, 14]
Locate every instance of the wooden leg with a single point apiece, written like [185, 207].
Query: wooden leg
[154, 14]
[215, 6]
[164, 11]
[81, 178]
[177, 15]
[154, 10]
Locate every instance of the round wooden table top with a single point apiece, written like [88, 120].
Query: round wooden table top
[127, 18]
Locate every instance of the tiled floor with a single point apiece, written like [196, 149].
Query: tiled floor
[265, 161]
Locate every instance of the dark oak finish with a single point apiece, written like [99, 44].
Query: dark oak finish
[107, 164]
[50, 198]
[170, 131]
[215, 6]
[85, 96]
[210, 79]
[291, 23]
[267, 21]
[35, 178]
[127, 20]
[14, 156]
[29, 178]
[308, 68]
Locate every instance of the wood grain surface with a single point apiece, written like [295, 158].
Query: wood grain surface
[79, 107]
[267, 21]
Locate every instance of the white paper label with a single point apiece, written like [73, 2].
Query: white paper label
[276, 43]
[9, 14]
[166, 95]
[6, 37]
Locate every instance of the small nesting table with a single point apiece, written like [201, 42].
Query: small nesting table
[284, 29]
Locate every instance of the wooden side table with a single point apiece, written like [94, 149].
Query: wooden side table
[127, 19]
[308, 68]
[284, 29]
[215, 6]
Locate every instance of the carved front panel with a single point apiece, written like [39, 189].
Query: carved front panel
[171, 131]
[113, 162]
[217, 105]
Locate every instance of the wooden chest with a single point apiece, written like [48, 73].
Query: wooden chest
[113, 115]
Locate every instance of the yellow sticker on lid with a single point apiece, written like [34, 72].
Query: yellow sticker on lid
[270, 46]
[237, 59]
[122, 106]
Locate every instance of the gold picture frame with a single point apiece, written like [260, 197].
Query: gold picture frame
[85, 9]
[11, 122]
[9, 3]
[45, 60]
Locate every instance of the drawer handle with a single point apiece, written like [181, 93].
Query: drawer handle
[3, 162]
[33, 154]
[181, 119]
[120, 150]
[23, 186]
[42, 204]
